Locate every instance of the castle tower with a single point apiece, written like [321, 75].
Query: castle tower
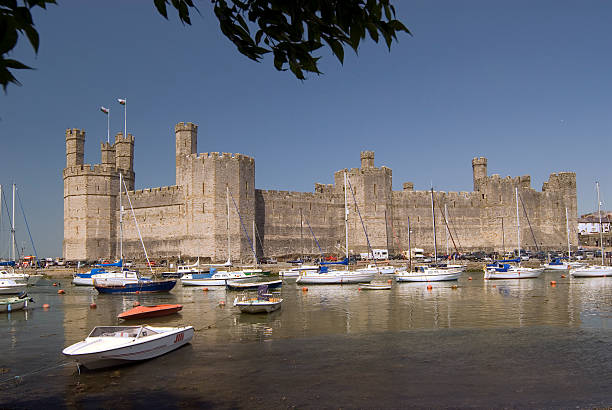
[75, 147]
[479, 170]
[90, 194]
[124, 158]
[186, 144]
[367, 159]
[108, 154]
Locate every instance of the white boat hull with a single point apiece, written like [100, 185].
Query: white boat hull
[258, 306]
[431, 275]
[592, 272]
[374, 287]
[525, 273]
[10, 287]
[100, 352]
[334, 277]
[204, 282]
[564, 266]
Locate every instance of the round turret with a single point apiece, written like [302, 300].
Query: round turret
[479, 169]
[75, 147]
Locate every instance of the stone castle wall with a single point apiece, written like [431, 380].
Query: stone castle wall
[191, 218]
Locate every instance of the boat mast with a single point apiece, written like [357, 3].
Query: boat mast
[254, 244]
[569, 249]
[302, 234]
[433, 217]
[447, 231]
[518, 226]
[13, 227]
[229, 248]
[503, 239]
[409, 247]
[120, 219]
[346, 213]
[600, 226]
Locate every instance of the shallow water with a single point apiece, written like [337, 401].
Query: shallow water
[485, 344]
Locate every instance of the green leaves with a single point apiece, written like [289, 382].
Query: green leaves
[293, 30]
[16, 20]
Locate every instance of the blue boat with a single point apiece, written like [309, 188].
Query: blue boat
[144, 286]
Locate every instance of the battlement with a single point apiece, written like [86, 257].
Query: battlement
[156, 197]
[479, 161]
[560, 181]
[89, 169]
[221, 156]
[120, 138]
[75, 133]
[185, 126]
[323, 188]
[408, 186]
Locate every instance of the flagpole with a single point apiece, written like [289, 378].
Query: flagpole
[108, 127]
[125, 119]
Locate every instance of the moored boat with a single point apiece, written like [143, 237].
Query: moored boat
[503, 270]
[263, 303]
[10, 287]
[148, 286]
[429, 274]
[593, 271]
[14, 303]
[326, 277]
[141, 312]
[237, 285]
[374, 286]
[114, 345]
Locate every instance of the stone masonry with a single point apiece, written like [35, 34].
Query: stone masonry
[190, 219]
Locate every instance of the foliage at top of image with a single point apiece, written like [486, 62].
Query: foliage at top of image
[291, 30]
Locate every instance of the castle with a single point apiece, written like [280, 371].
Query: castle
[192, 218]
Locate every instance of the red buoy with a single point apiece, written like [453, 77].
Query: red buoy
[429, 287]
[204, 289]
[93, 306]
[470, 278]
[61, 292]
[304, 289]
[46, 306]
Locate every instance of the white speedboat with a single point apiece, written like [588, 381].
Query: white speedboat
[560, 264]
[213, 278]
[325, 277]
[17, 277]
[10, 287]
[501, 270]
[429, 274]
[124, 276]
[593, 271]
[374, 286]
[388, 269]
[295, 272]
[114, 345]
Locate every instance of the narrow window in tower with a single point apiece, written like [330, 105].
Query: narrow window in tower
[203, 208]
[483, 196]
[310, 205]
[203, 188]
[375, 190]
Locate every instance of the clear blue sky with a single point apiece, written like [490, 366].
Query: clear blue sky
[526, 84]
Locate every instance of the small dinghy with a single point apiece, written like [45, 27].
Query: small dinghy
[114, 345]
[10, 287]
[263, 303]
[374, 286]
[236, 285]
[141, 312]
[15, 303]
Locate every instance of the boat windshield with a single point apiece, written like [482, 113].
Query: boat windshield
[115, 331]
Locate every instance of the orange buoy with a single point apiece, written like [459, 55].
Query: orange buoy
[46, 306]
[553, 282]
[137, 292]
[562, 276]
[359, 289]
[470, 278]
[221, 303]
[93, 306]
[204, 289]
[55, 284]
[135, 304]
[454, 287]
[494, 286]
[429, 287]
[61, 292]
[304, 289]
[389, 281]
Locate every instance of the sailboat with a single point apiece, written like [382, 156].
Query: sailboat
[123, 282]
[326, 276]
[594, 271]
[564, 263]
[502, 269]
[433, 273]
[301, 267]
